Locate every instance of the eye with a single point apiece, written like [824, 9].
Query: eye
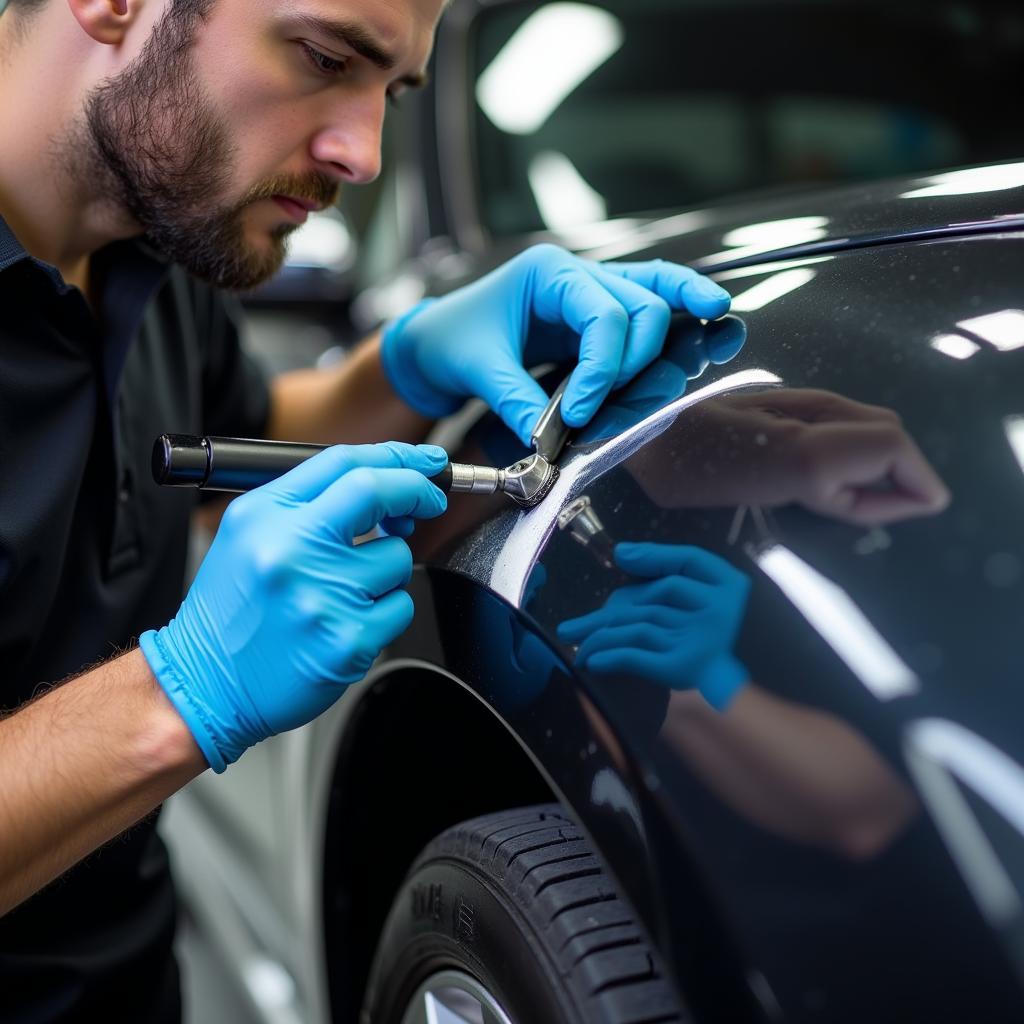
[322, 63]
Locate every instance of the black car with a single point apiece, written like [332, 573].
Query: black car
[828, 491]
[723, 729]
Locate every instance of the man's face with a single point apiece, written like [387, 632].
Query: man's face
[228, 123]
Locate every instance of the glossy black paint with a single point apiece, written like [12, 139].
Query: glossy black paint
[805, 821]
[501, 656]
[963, 202]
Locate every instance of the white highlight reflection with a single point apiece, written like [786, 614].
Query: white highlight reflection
[553, 51]
[843, 626]
[1004, 330]
[970, 181]
[533, 527]
[941, 754]
[651, 233]
[563, 197]
[770, 289]
[754, 239]
[769, 268]
[956, 346]
[1014, 427]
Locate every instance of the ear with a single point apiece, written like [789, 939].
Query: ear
[106, 21]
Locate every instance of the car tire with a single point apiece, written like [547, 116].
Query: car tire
[511, 918]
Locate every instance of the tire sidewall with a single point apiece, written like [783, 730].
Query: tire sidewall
[448, 915]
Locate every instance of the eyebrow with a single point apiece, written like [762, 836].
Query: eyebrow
[360, 39]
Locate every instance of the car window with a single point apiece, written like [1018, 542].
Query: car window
[587, 111]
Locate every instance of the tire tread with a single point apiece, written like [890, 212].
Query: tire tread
[552, 873]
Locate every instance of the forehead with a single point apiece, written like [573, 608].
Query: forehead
[394, 21]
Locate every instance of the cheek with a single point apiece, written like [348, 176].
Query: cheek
[264, 113]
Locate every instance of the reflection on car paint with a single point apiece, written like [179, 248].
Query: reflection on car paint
[583, 524]
[673, 622]
[840, 622]
[889, 476]
[690, 348]
[943, 757]
[530, 531]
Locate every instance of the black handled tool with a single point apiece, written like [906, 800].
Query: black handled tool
[237, 464]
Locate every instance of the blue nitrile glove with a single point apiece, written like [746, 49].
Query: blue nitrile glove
[690, 348]
[543, 305]
[285, 611]
[678, 630]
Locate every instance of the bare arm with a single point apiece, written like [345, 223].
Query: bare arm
[352, 403]
[795, 771]
[80, 765]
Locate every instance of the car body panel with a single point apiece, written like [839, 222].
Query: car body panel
[985, 198]
[842, 890]
[941, 588]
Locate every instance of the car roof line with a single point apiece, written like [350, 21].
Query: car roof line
[999, 225]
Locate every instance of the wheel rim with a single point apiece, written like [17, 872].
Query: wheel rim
[451, 997]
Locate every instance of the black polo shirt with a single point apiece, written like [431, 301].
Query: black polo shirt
[92, 553]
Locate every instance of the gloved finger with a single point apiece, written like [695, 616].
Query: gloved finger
[312, 477]
[566, 290]
[513, 394]
[364, 497]
[389, 618]
[400, 526]
[681, 287]
[681, 592]
[660, 560]
[379, 566]
[638, 635]
[574, 631]
[633, 662]
[649, 318]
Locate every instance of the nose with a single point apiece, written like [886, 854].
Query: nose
[351, 143]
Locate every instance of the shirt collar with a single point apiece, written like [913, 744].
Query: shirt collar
[11, 250]
[130, 274]
[113, 257]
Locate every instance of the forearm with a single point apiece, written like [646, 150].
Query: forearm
[352, 403]
[796, 771]
[82, 764]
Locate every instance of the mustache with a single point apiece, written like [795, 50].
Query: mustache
[314, 188]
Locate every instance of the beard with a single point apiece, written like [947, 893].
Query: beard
[159, 151]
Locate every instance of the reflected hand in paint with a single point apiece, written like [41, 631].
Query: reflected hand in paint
[834, 456]
[690, 348]
[677, 629]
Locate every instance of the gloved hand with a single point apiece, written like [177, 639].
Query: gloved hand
[690, 349]
[677, 631]
[543, 305]
[285, 611]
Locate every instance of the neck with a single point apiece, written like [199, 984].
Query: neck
[51, 193]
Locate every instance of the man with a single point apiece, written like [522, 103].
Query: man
[154, 152]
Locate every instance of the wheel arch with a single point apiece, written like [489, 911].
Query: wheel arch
[449, 735]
